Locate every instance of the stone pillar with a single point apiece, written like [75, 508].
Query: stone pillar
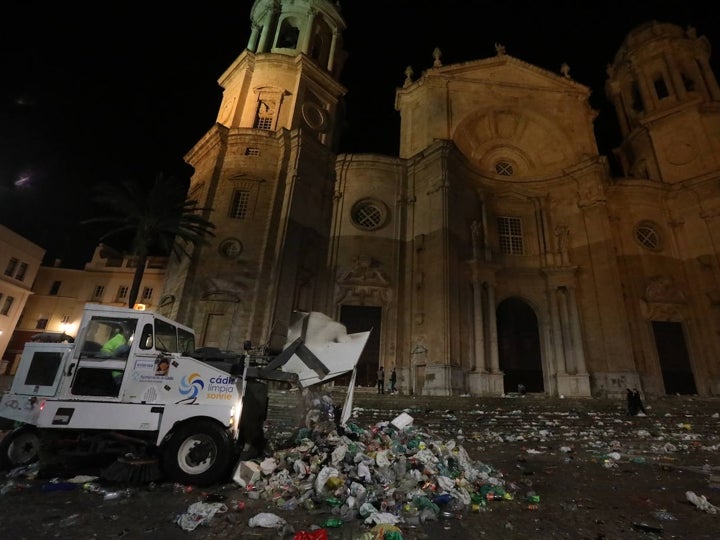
[648, 96]
[677, 81]
[267, 24]
[564, 329]
[576, 333]
[307, 32]
[492, 324]
[620, 112]
[556, 333]
[478, 320]
[254, 36]
[333, 47]
[709, 78]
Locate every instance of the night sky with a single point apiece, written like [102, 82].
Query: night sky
[90, 96]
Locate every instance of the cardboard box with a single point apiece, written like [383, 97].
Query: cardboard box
[246, 472]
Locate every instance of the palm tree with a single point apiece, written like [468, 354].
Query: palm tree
[158, 220]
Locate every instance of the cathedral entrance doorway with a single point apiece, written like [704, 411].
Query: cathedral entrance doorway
[361, 319]
[674, 359]
[519, 346]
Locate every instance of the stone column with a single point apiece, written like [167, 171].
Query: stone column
[478, 320]
[620, 111]
[677, 81]
[556, 333]
[307, 32]
[254, 36]
[564, 328]
[709, 78]
[576, 333]
[648, 96]
[333, 47]
[267, 24]
[492, 323]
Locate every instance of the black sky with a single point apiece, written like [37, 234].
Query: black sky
[125, 92]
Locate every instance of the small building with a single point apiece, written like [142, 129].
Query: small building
[20, 260]
[60, 294]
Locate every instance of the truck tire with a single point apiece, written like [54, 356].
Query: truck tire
[198, 453]
[20, 447]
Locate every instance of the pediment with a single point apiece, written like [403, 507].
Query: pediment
[508, 71]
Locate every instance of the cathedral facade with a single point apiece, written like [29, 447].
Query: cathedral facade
[497, 251]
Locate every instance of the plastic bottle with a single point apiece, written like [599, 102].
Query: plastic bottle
[333, 523]
[333, 501]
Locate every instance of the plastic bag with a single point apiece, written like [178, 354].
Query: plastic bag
[323, 477]
[701, 502]
[382, 518]
[199, 513]
[338, 455]
[363, 472]
[267, 520]
[268, 465]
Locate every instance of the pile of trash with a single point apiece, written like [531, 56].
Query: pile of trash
[387, 474]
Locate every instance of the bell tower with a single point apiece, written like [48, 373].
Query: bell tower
[667, 102]
[288, 77]
[267, 171]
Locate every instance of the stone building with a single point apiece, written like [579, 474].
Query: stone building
[55, 306]
[497, 249]
[19, 262]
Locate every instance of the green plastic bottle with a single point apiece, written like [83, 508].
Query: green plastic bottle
[332, 523]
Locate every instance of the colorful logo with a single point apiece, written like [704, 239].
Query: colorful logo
[191, 385]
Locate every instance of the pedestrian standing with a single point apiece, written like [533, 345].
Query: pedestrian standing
[381, 380]
[393, 381]
[637, 398]
[632, 409]
[635, 405]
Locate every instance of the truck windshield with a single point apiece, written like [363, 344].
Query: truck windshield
[165, 337]
[108, 337]
[187, 341]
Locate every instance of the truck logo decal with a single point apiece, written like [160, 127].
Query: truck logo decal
[191, 385]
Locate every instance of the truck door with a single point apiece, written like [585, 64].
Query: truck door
[101, 357]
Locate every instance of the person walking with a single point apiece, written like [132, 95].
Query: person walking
[381, 380]
[393, 381]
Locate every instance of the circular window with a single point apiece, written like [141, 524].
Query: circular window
[230, 248]
[647, 236]
[369, 214]
[315, 116]
[504, 168]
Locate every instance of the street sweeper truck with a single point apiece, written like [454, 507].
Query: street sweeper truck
[134, 379]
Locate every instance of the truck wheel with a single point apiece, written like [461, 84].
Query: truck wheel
[20, 447]
[197, 453]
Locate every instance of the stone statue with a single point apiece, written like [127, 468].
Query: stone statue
[408, 76]
[562, 234]
[476, 232]
[437, 54]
